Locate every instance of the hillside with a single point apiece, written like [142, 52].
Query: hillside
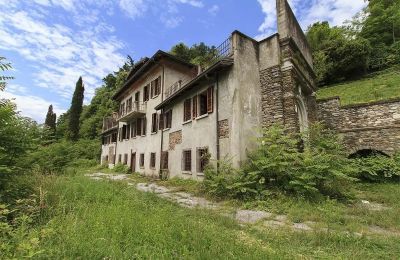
[373, 87]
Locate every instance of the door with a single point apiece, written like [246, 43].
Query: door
[133, 162]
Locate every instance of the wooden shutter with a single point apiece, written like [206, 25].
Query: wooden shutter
[161, 122]
[210, 105]
[194, 107]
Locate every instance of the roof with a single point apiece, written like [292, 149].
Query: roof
[148, 63]
[219, 65]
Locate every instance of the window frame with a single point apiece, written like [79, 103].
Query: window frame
[200, 164]
[154, 123]
[153, 160]
[185, 154]
[187, 110]
[141, 161]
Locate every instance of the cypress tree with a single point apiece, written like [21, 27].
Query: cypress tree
[76, 110]
[51, 117]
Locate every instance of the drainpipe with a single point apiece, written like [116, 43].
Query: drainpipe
[162, 112]
[217, 119]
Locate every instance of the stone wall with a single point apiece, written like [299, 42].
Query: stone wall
[174, 139]
[223, 129]
[374, 126]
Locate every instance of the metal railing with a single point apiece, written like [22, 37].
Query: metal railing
[109, 123]
[138, 107]
[216, 53]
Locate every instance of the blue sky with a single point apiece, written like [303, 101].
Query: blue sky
[52, 42]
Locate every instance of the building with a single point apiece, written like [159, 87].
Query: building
[175, 116]
[172, 113]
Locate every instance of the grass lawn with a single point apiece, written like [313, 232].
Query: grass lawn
[378, 86]
[91, 219]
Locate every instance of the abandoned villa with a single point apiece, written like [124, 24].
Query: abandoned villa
[172, 113]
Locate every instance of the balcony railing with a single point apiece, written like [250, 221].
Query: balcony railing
[137, 109]
[222, 51]
[109, 123]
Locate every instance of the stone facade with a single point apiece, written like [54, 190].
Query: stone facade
[174, 139]
[223, 129]
[371, 126]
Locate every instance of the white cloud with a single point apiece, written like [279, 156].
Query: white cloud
[32, 106]
[61, 54]
[133, 8]
[336, 12]
[213, 10]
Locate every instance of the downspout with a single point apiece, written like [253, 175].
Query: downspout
[162, 129]
[217, 119]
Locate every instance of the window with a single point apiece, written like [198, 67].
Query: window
[133, 129]
[124, 135]
[120, 137]
[154, 125]
[203, 103]
[187, 110]
[152, 160]
[164, 160]
[139, 126]
[168, 119]
[128, 131]
[157, 84]
[126, 158]
[122, 109]
[114, 137]
[187, 160]
[129, 105]
[202, 159]
[137, 97]
[119, 158]
[152, 89]
[141, 160]
[146, 93]
[144, 124]
[161, 123]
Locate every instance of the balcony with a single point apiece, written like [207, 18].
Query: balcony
[217, 54]
[110, 123]
[137, 109]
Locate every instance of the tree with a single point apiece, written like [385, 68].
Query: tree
[51, 117]
[338, 54]
[199, 54]
[76, 110]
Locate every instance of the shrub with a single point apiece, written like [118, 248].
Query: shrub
[55, 158]
[378, 168]
[321, 169]
[122, 168]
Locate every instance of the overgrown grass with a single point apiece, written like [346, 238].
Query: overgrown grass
[374, 87]
[87, 219]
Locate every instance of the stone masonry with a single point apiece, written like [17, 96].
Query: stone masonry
[372, 126]
[223, 129]
[174, 139]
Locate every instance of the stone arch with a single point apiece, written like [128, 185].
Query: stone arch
[366, 152]
[301, 109]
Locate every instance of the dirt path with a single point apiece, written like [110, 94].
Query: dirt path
[243, 216]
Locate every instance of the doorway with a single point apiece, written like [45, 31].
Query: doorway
[133, 162]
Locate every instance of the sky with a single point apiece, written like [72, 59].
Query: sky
[50, 43]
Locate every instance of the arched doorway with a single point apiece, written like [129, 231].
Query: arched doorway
[301, 110]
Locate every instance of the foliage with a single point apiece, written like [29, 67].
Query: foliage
[57, 157]
[199, 54]
[4, 66]
[378, 168]
[338, 56]
[76, 110]
[49, 128]
[322, 169]
[122, 168]
[382, 25]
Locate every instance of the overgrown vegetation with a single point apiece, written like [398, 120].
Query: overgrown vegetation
[377, 86]
[368, 43]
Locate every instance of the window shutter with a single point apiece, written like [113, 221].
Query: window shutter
[210, 104]
[161, 123]
[194, 107]
[158, 85]
[144, 125]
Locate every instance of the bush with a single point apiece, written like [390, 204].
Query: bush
[122, 168]
[321, 169]
[378, 168]
[55, 158]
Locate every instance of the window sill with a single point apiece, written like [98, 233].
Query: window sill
[202, 116]
[187, 122]
[141, 167]
[153, 133]
[200, 174]
[166, 129]
[155, 96]
[187, 173]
